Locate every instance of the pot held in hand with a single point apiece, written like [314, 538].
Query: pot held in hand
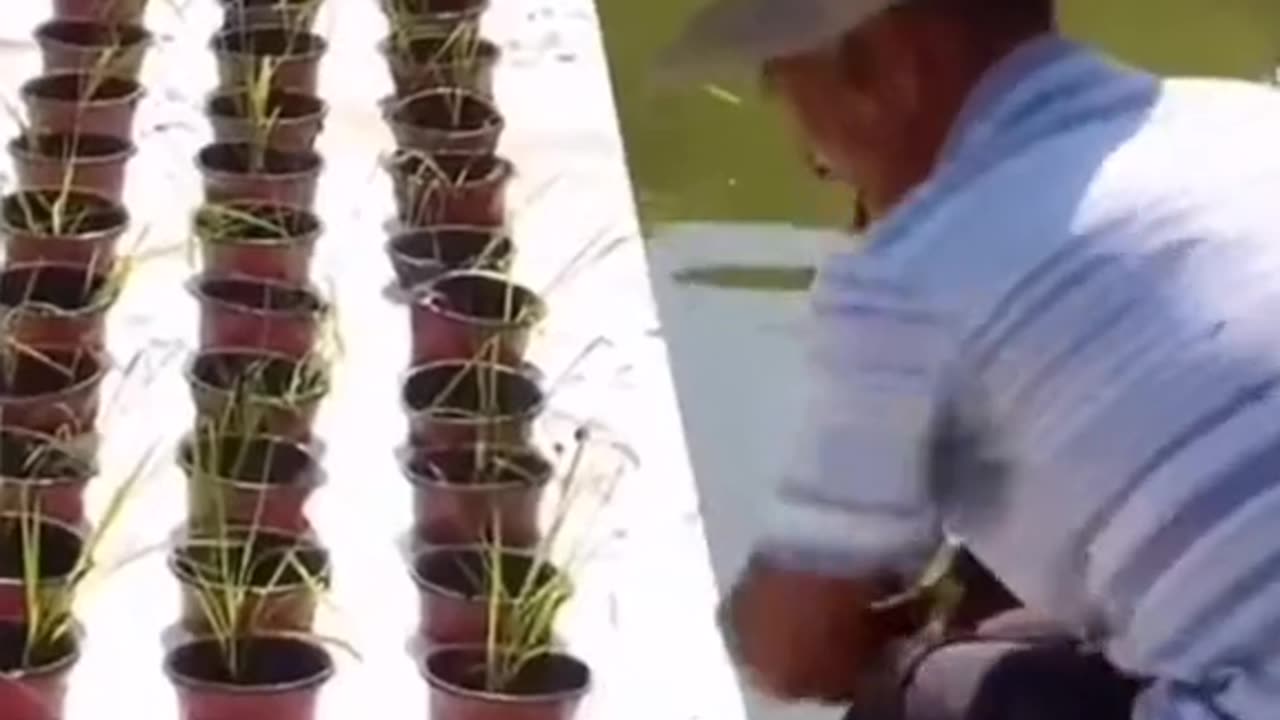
[473, 315]
[55, 305]
[82, 104]
[56, 225]
[297, 15]
[283, 120]
[273, 677]
[248, 480]
[292, 58]
[429, 60]
[469, 683]
[35, 680]
[251, 392]
[466, 403]
[91, 163]
[58, 547]
[86, 46]
[443, 120]
[51, 390]
[238, 312]
[420, 254]
[241, 171]
[449, 188]
[44, 474]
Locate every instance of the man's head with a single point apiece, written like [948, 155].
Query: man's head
[873, 86]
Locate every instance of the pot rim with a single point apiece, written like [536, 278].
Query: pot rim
[503, 168]
[320, 112]
[307, 238]
[59, 524]
[314, 478]
[135, 94]
[494, 123]
[145, 37]
[203, 166]
[405, 452]
[425, 585]
[104, 366]
[312, 396]
[319, 44]
[195, 283]
[489, 55]
[45, 310]
[87, 237]
[304, 541]
[533, 411]
[86, 470]
[189, 683]
[441, 17]
[495, 234]
[60, 665]
[129, 150]
[498, 697]
[424, 297]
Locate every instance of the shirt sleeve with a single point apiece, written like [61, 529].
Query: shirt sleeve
[857, 497]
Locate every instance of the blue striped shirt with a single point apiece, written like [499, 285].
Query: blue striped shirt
[1064, 350]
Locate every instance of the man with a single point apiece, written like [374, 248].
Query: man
[1060, 347]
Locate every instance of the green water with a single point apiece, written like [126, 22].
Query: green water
[696, 156]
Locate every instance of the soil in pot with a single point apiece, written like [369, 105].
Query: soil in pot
[454, 403]
[444, 119]
[257, 240]
[273, 577]
[546, 686]
[252, 392]
[104, 11]
[298, 15]
[51, 390]
[40, 473]
[472, 494]
[90, 163]
[419, 255]
[35, 683]
[442, 59]
[455, 589]
[295, 57]
[276, 678]
[474, 315]
[115, 50]
[62, 226]
[449, 188]
[265, 315]
[248, 480]
[55, 305]
[82, 103]
[57, 547]
[242, 171]
[288, 121]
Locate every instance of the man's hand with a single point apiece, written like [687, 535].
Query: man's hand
[804, 636]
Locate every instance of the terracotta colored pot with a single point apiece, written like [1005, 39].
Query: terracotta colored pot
[473, 315]
[436, 57]
[474, 494]
[280, 680]
[84, 233]
[257, 240]
[240, 52]
[444, 119]
[449, 188]
[299, 15]
[40, 473]
[59, 546]
[236, 171]
[254, 392]
[465, 403]
[55, 305]
[105, 11]
[82, 104]
[419, 255]
[51, 390]
[290, 121]
[93, 47]
[34, 688]
[277, 595]
[433, 15]
[259, 314]
[92, 163]
[248, 480]
[547, 687]
[454, 592]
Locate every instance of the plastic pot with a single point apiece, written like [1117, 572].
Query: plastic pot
[454, 403]
[454, 590]
[295, 53]
[248, 479]
[550, 686]
[59, 546]
[35, 687]
[51, 390]
[277, 578]
[254, 392]
[444, 119]
[419, 255]
[87, 46]
[92, 163]
[472, 494]
[440, 58]
[257, 240]
[449, 188]
[40, 472]
[299, 15]
[237, 312]
[290, 122]
[82, 103]
[280, 679]
[56, 226]
[55, 305]
[104, 11]
[435, 16]
[473, 315]
[238, 171]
